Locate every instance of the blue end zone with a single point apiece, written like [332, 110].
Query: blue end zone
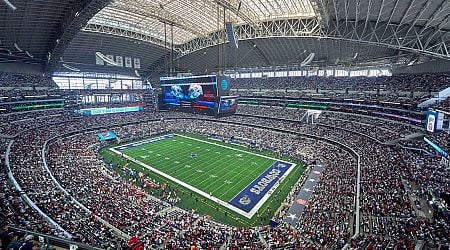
[139, 143]
[250, 196]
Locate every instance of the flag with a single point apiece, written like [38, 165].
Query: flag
[105, 136]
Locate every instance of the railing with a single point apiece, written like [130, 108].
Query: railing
[54, 241]
[25, 197]
[45, 167]
[357, 186]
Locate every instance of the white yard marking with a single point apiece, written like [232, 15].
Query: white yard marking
[249, 214]
[236, 149]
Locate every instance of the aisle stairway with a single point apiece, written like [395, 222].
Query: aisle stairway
[439, 97]
[410, 137]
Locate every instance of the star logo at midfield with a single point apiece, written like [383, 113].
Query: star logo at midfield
[292, 216]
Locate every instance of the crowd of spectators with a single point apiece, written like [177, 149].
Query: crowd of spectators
[383, 98]
[405, 83]
[375, 127]
[12, 240]
[26, 164]
[13, 209]
[25, 80]
[387, 205]
[14, 95]
[400, 91]
[34, 178]
[394, 181]
[385, 195]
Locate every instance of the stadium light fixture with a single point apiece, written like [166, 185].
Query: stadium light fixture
[17, 47]
[9, 5]
[70, 67]
[308, 59]
[106, 59]
[7, 50]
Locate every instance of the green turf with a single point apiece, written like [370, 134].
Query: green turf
[191, 200]
[222, 172]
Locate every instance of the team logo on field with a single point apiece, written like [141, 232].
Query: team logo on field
[245, 200]
[281, 165]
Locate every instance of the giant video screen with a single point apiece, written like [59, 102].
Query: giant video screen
[228, 105]
[189, 93]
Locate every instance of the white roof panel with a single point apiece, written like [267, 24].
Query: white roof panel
[195, 18]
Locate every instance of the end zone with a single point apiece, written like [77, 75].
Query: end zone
[248, 201]
[256, 190]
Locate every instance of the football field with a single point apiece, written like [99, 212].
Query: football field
[232, 176]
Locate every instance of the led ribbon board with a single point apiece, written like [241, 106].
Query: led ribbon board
[436, 147]
[101, 111]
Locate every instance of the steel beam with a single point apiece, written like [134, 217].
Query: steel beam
[73, 22]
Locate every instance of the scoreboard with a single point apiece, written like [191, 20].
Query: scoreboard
[207, 94]
[434, 121]
[227, 105]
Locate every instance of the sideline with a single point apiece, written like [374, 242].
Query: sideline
[249, 214]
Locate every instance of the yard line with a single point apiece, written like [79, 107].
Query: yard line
[186, 176]
[216, 169]
[231, 188]
[180, 152]
[169, 170]
[216, 165]
[225, 169]
[187, 173]
[200, 192]
[236, 149]
[236, 182]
